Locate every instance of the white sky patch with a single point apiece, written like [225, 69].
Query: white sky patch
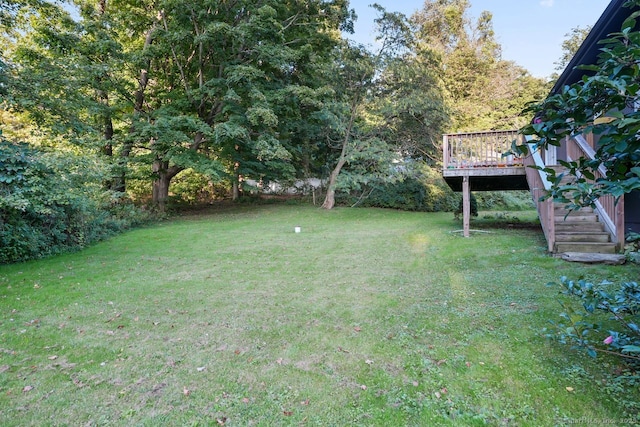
[546, 3]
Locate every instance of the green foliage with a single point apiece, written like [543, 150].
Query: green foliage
[421, 188]
[602, 104]
[571, 44]
[53, 202]
[473, 205]
[504, 200]
[193, 188]
[607, 321]
[632, 247]
[482, 91]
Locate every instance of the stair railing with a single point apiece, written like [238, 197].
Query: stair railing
[609, 210]
[539, 187]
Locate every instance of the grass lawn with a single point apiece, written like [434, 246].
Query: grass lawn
[366, 317]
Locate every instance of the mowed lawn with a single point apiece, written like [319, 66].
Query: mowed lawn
[366, 317]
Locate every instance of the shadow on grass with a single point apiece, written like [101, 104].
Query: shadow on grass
[521, 220]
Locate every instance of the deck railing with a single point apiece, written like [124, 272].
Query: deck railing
[480, 149]
[610, 211]
[539, 186]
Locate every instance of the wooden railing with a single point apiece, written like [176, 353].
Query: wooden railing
[479, 149]
[610, 210]
[539, 186]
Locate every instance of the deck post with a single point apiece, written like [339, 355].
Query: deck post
[466, 205]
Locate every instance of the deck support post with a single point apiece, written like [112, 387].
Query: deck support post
[466, 205]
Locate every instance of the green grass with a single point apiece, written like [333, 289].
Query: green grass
[367, 317]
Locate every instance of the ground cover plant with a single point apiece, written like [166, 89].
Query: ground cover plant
[365, 317]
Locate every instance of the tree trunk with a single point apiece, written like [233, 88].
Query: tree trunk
[119, 182]
[163, 175]
[330, 197]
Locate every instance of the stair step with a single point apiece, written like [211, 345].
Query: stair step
[575, 217]
[591, 247]
[581, 236]
[578, 226]
[561, 210]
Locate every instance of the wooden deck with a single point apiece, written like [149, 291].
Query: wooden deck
[479, 161]
[479, 157]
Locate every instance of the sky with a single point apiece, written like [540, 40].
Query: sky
[530, 32]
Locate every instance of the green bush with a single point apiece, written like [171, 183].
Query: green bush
[473, 204]
[421, 189]
[607, 321]
[504, 200]
[52, 202]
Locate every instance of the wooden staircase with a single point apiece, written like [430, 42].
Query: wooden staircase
[580, 231]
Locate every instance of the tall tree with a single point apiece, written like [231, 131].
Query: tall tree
[391, 108]
[221, 72]
[480, 86]
[207, 85]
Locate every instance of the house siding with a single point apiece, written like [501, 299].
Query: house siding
[631, 211]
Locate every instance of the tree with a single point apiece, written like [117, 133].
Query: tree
[204, 86]
[571, 44]
[605, 104]
[222, 75]
[360, 120]
[483, 91]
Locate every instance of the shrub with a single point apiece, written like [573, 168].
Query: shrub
[473, 204]
[504, 200]
[51, 202]
[608, 321]
[632, 247]
[421, 188]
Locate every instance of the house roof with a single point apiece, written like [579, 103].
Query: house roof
[587, 54]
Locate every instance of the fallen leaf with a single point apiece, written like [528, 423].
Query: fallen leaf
[441, 362]
[27, 388]
[369, 362]
[245, 400]
[186, 391]
[114, 318]
[221, 421]
[305, 402]
[416, 383]
[468, 364]
[569, 389]
[437, 394]
[357, 329]
[201, 368]
[52, 357]
[443, 390]
[287, 413]
[279, 361]
[364, 387]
